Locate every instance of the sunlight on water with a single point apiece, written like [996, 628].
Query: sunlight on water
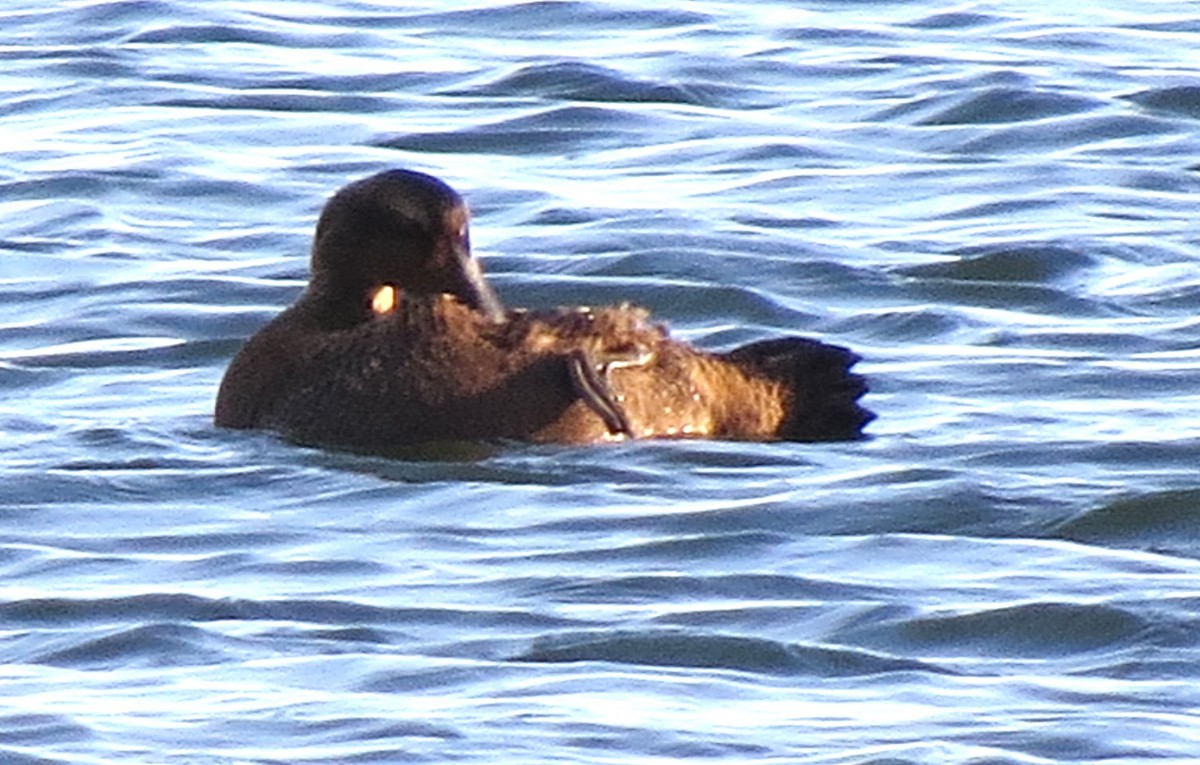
[992, 204]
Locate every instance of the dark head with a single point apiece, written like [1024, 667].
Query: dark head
[399, 228]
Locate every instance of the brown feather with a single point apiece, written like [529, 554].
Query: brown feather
[377, 353]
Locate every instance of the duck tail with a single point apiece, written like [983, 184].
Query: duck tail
[822, 393]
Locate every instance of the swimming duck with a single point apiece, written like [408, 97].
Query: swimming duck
[399, 340]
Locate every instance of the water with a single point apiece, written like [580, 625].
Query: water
[994, 203]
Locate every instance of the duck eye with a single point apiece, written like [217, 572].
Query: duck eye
[384, 300]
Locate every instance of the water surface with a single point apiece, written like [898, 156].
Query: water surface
[994, 203]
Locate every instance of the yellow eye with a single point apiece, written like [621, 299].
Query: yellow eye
[384, 300]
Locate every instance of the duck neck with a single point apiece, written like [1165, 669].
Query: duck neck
[335, 304]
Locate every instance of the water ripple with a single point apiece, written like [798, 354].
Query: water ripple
[993, 206]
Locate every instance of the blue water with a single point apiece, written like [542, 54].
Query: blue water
[994, 203]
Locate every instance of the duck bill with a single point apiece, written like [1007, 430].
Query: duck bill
[474, 289]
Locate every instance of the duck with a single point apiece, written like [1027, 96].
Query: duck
[398, 339]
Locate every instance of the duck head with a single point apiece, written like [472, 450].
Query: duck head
[398, 230]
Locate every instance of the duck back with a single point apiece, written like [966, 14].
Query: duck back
[792, 389]
[436, 370]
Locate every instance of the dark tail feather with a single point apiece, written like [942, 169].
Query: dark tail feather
[825, 392]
